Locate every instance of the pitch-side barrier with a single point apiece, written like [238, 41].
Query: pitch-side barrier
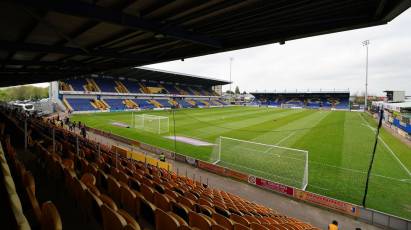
[358, 212]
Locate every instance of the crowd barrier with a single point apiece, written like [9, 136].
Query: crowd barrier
[358, 212]
[140, 157]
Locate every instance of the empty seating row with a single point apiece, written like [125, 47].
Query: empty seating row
[105, 184]
[310, 103]
[90, 104]
[116, 104]
[81, 104]
[46, 216]
[11, 206]
[143, 104]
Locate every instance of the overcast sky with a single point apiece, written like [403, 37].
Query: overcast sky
[329, 61]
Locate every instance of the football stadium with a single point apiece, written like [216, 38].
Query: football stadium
[119, 145]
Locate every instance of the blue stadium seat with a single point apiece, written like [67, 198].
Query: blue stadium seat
[144, 104]
[164, 103]
[80, 104]
[171, 89]
[115, 104]
[184, 104]
[106, 85]
[132, 86]
[77, 84]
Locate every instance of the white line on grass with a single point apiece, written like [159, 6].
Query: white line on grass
[259, 171]
[388, 148]
[395, 156]
[285, 138]
[321, 164]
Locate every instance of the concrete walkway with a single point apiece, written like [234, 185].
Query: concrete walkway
[317, 216]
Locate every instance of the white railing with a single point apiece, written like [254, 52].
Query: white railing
[132, 94]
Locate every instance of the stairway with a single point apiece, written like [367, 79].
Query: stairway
[181, 91]
[205, 103]
[195, 92]
[100, 104]
[130, 104]
[67, 104]
[191, 102]
[144, 89]
[164, 88]
[91, 86]
[120, 87]
[155, 103]
[65, 86]
[172, 102]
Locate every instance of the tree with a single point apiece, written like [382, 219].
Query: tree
[244, 92]
[23, 93]
[229, 92]
[237, 90]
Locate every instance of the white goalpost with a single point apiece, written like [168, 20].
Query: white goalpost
[151, 123]
[290, 106]
[276, 163]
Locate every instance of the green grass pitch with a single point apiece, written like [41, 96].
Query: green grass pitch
[339, 145]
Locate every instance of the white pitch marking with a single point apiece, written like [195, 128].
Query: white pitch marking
[388, 148]
[395, 156]
[285, 138]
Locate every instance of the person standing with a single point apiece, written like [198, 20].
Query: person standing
[333, 225]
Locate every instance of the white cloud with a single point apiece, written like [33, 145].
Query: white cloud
[328, 61]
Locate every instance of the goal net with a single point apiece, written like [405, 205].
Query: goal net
[276, 163]
[291, 106]
[151, 123]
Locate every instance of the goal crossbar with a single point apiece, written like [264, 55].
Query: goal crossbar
[152, 123]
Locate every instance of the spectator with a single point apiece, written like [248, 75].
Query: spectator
[83, 131]
[333, 225]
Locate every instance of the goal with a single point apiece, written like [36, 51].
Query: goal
[276, 163]
[291, 106]
[151, 123]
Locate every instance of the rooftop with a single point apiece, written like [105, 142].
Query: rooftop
[145, 73]
[47, 40]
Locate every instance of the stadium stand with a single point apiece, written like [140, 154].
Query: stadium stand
[143, 104]
[115, 93]
[80, 104]
[99, 40]
[75, 84]
[117, 192]
[116, 104]
[164, 102]
[106, 85]
[333, 99]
